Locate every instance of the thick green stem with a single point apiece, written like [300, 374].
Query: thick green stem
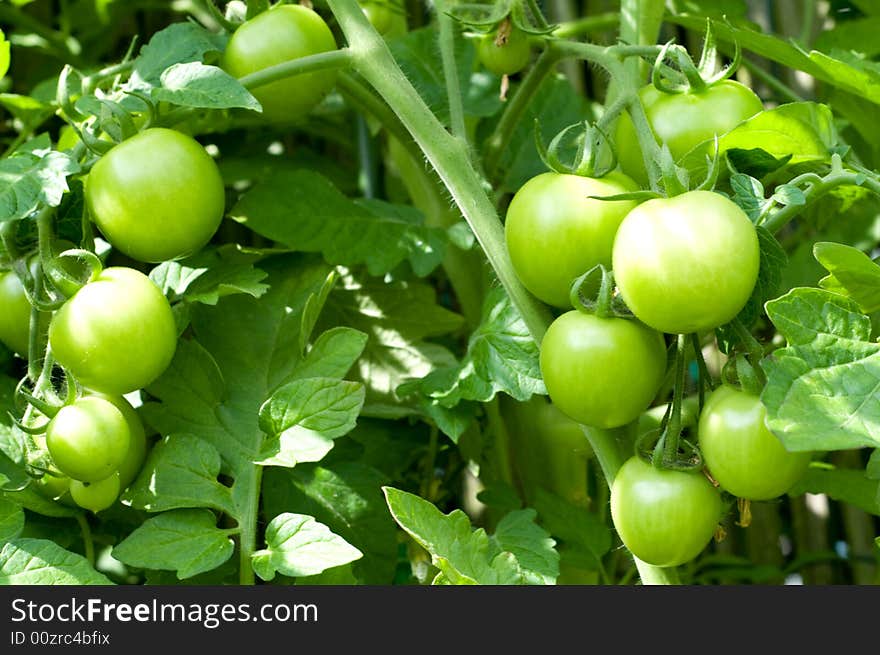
[586, 25]
[446, 41]
[447, 154]
[248, 524]
[88, 542]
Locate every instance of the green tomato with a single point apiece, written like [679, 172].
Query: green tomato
[684, 120]
[508, 58]
[380, 13]
[137, 443]
[96, 496]
[15, 314]
[283, 33]
[156, 196]
[664, 517]
[88, 439]
[602, 372]
[555, 232]
[743, 456]
[688, 263]
[117, 334]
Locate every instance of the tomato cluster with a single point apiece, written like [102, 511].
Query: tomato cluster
[682, 264]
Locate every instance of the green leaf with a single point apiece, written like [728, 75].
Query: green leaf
[195, 85]
[346, 497]
[4, 54]
[181, 471]
[467, 556]
[574, 525]
[43, 562]
[303, 418]
[306, 212]
[823, 390]
[872, 470]
[185, 540]
[518, 534]
[31, 178]
[852, 273]
[178, 43]
[396, 317]
[35, 502]
[30, 111]
[11, 520]
[333, 354]
[298, 545]
[211, 275]
[844, 485]
[501, 357]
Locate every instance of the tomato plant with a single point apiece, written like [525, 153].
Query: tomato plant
[553, 217]
[602, 371]
[370, 314]
[285, 33]
[166, 176]
[688, 263]
[744, 457]
[117, 334]
[664, 517]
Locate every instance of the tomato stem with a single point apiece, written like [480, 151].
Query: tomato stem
[322, 61]
[88, 542]
[446, 41]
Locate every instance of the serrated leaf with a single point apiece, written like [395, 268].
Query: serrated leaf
[518, 534]
[178, 43]
[31, 178]
[211, 275]
[306, 212]
[823, 390]
[180, 472]
[303, 418]
[467, 556]
[333, 354]
[194, 84]
[185, 540]
[574, 525]
[501, 357]
[346, 497]
[298, 545]
[852, 273]
[396, 317]
[11, 520]
[35, 502]
[43, 562]
[844, 485]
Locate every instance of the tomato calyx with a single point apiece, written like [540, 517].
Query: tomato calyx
[593, 293]
[595, 155]
[686, 76]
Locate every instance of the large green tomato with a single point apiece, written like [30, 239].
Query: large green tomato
[15, 314]
[95, 496]
[684, 120]
[602, 372]
[156, 196]
[117, 334]
[555, 232]
[281, 34]
[88, 439]
[744, 457]
[664, 517]
[137, 443]
[688, 263]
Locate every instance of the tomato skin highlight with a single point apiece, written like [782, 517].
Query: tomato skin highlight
[88, 439]
[684, 120]
[555, 232]
[280, 34]
[741, 453]
[687, 263]
[602, 372]
[95, 496]
[664, 517]
[15, 314]
[117, 334]
[157, 196]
